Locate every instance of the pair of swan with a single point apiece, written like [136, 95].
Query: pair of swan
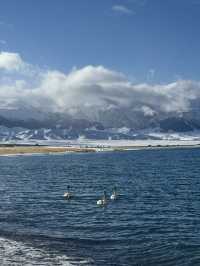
[104, 201]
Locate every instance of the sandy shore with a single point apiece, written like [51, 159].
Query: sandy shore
[15, 150]
[40, 149]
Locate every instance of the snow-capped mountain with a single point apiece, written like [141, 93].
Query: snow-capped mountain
[23, 134]
[28, 124]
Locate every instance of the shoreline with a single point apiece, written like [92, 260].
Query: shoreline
[37, 150]
[28, 150]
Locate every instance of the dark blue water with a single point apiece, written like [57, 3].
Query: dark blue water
[156, 220]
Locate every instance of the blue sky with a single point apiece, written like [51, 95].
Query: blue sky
[148, 40]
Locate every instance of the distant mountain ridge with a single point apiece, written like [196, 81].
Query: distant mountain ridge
[115, 125]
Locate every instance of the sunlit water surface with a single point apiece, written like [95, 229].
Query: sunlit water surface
[155, 221]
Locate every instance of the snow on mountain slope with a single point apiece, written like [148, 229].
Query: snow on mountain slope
[18, 133]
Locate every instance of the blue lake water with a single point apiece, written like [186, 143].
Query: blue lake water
[155, 221]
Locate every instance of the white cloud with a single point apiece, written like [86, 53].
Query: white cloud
[11, 61]
[122, 9]
[89, 90]
[147, 111]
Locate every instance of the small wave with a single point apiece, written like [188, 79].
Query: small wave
[17, 253]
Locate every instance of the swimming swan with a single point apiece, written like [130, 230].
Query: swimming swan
[103, 201]
[68, 194]
[114, 194]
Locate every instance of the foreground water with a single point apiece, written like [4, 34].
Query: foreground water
[156, 220]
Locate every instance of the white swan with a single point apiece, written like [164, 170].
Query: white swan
[114, 194]
[103, 201]
[67, 194]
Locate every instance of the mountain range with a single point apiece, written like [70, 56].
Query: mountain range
[31, 124]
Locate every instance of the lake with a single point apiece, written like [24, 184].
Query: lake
[155, 220]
